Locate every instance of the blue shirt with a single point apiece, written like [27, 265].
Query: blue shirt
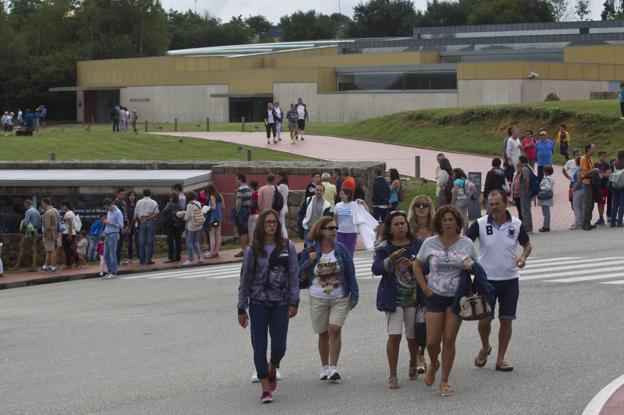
[33, 217]
[116, 218]
[544, 150]
[621, 94]
[96, 229]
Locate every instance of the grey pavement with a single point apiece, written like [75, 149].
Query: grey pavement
[162, 344]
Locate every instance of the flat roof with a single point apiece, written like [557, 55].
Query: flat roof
[101, 177]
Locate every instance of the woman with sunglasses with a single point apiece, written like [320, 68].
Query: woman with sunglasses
[420, 216]
[397, 291]
[447, 254]
[333, 291]
[269, 288]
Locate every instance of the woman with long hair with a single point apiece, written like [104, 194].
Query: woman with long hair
[617, 212]
[448, 254]
[460, 199]
[333, 291]
[444, 174]
[269, 289]
[282, 187]
[395, 189]
[217, 205]
[345, 218]
[193, 227]
[131, 231]
[420, 216]
[397, 294]
[254, 212]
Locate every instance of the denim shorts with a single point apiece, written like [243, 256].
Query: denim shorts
[506, 293]
[438, 303]
[240, 220]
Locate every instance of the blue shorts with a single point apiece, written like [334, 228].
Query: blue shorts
[507, 293]
[438, 303]
[240, 220]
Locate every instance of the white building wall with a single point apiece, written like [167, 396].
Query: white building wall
[356, 106]
[186, 103]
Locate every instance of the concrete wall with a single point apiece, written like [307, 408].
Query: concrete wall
[355, 106]
[186, 103]
[80, 106]
[512, 91]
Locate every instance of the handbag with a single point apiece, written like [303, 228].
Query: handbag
[474, 306]
[545, 194]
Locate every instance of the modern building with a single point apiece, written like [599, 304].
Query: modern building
[348, 80]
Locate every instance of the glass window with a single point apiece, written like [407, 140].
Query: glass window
[397, 81]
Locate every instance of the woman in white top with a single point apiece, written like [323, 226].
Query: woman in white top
[547, 185]
[192, 216]
[282, 187]
[69, 232]
[278, 115]
[344, 214]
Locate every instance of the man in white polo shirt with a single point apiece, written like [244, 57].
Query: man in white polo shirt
[499, 234]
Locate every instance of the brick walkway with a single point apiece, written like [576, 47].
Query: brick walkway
[400, 157]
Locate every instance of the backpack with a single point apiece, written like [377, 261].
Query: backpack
[197, 217]
[616, 180]
[470, 189]
[278, 201]
[534, 184]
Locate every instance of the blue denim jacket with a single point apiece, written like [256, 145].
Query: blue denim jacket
[386, 291]
[347, 268]
[481, 286]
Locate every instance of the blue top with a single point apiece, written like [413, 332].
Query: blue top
[217, 213]
[96, 229]
[116, 218]
[33, 217]
[621, 94]
[544, 150]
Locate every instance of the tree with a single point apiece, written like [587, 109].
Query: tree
[582, 9]
[189, 30]
[444, 13]
[261, 27]
[307, 26]
[560, 9]
[612, 9]
[236, 32]
[344, 24]
[510, 11]
[383, 18]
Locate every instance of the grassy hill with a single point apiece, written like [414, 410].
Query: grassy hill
[479, 130]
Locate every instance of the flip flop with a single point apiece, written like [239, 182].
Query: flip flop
[413, 373]
[446, 391]
[429, 380]
[422, 368]
[393, 383]
[482, 363]
[504, 367]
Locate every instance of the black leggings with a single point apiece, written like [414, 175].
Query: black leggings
[270, 128]
[68, 248]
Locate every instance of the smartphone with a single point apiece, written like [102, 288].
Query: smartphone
[245, 323]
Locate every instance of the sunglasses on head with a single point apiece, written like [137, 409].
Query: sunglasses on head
[330, 228]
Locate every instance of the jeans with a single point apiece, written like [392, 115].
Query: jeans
[540, 172]
[380, 213]
[278, 130]
[110, 252]
[527, 219]
[192, 244]
[617, 212]
[174, 243]
[119, 246]
[115, 125]
[1, 265]
[91, 248]
[273, 319]
[146, 241]
[578, 205]
[588, 209]
[546, 213]
[133, 242]
[68, 248]
[563, 150]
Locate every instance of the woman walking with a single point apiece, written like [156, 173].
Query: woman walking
[217, 205]
[395, 189]
[194, 218]
[269, 288]
[397, 293]
[333, 291]
[443, 187]
[345, 217]
[447, 254]
[460, 199]
[282, 187]
[291, 117]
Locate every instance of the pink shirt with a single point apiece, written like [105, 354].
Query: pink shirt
[265, 197]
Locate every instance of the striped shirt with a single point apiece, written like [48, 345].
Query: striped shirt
[244, 194]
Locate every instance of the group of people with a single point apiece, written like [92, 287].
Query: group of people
[123, 118]
[296, 118]
[425, 260]
[28, 119]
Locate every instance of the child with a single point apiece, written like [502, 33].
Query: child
[81, 249]
[546, 196]
[99, 248]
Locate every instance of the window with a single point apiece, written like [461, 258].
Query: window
[409, 81]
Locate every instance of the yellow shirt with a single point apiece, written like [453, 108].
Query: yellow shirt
[566, 138]
[330, 194]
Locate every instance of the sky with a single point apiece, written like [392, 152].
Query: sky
[273, 10]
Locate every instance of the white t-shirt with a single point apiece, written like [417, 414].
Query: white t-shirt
[326, 282]
[301, 110]
[283, 189]
[570, 167]
[278, 111]
[514, 150]
[344, 217]
[66, 217]
[270, 118]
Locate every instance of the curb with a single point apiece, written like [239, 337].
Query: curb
[601, 399]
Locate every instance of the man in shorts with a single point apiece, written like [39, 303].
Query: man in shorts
[50, 226]
[302, 117]
[241, 210]
[499, 234]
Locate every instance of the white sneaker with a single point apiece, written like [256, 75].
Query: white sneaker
[110, 277]
[254, 377]
[334, 376]
[101, 274]
[324, 373]
[188, 263]
[278, 374]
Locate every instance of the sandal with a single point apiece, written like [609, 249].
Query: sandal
[393, 383]
[422, 365]
[482, 362]
[446, 390]
[504, 366]
[430, 377]
[413, 372]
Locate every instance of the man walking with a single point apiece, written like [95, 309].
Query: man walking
[120, 202]
[587, 170]
[302, 117]
[242, 208]
[508, 166]
[494, 179]
[114, 225]
[317, 206]
[145, 213]
[49, 225]
[513, 150]
[266, 194]
[545, 150]
[499, 234]
[381, 196]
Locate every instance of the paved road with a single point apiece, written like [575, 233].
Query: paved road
[397, 156]
[164, 344]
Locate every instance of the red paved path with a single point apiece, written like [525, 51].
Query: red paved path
[615, 404]
[397, 156]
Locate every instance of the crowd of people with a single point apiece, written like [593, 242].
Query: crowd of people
[296, 118]
[122, 118]
[30, 120]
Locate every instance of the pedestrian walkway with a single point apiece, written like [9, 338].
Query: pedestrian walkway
[400, 157]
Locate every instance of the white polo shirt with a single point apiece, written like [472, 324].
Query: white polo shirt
[498, 246]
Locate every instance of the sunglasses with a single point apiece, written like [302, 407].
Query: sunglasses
[421, 205]
[271, 222]
[331, 228]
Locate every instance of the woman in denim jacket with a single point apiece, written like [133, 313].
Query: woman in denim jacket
[333, 291]
[269, 287]
[397, 293]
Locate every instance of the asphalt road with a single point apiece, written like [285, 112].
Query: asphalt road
[171, 345]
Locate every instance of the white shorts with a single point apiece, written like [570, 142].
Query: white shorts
[402, 317]
[328, 312]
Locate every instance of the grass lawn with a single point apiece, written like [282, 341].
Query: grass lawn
[414, 187]
[74, 142]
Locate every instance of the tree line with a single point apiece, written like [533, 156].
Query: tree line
[43, 39]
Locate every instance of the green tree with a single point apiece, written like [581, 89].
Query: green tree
[612, 9]
[560, 9]
[261, 28]
[189, 30]
[383, 18]
[236, 32]
[511, 11]
[444, 13]
[582, 9]
[307, 26]
[344, 24]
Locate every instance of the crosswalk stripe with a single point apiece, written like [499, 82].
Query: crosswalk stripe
[577, 261]
[618, 282]
[589, 278]
[532, 261]
[577, 267]
[565, 274]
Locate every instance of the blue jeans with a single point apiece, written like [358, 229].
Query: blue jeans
[91, 248]
[617, 212]
[192, 244]
[146, 241]
[110, 252]
[546, 213]
[273, 319]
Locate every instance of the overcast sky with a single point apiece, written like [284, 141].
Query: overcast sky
[273, 10]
